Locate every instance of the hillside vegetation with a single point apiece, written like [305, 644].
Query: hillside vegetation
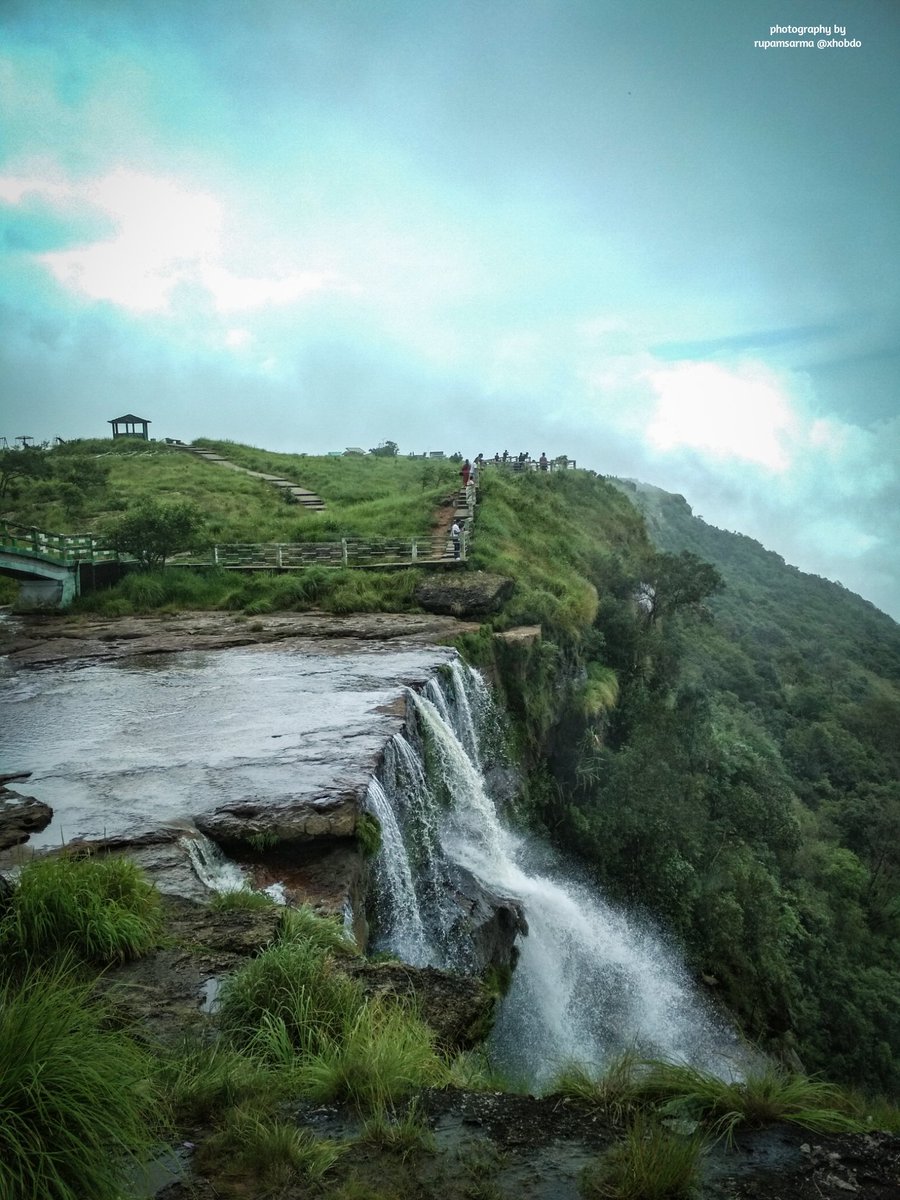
[713, 734]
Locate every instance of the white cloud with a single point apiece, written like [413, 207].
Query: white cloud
[725, 413]
[167, 236]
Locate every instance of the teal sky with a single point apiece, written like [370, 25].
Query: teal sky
[614, 229]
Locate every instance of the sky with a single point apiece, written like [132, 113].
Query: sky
[620, 230]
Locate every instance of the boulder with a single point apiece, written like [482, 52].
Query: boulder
[260, 825]
[20, 816]
[490, 923]
[464, 593]
[458, 1008]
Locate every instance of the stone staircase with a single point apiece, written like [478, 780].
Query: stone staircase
[292, 492]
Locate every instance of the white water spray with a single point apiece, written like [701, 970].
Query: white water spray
[211, 867]
[590, 982]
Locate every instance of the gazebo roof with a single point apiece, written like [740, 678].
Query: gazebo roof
[131, 418]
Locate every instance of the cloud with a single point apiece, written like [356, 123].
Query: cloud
[728, 414]
[163, 237]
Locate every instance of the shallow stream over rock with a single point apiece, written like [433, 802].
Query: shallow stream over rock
[124, 747]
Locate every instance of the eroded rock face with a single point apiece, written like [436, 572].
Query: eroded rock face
[457, 1007]
[257, 824]
[20, 815]
[464, 594]
[492, 922]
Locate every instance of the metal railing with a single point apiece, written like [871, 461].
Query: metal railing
[63, 548]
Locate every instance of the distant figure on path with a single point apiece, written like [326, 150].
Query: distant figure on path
[543, 461]
[505, 455]
[464, 471]
[455, 535]
[470, 492]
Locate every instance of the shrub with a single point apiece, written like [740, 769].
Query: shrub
[98, 910]
[76, 1108]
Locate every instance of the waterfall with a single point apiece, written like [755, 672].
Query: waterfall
[211, 867]
[590, 982]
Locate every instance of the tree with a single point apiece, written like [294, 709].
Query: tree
[386, 450]
[152, 531]
[28, 463]
[677, 581]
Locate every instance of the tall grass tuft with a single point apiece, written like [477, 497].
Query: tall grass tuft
[76, 1104]
[649, 1163]
[98, 910]
[296, 983]
[761, 1098]
[377, 1061]
[275, 1153]
[614, 1095]
[301, 925]
[198, 1079]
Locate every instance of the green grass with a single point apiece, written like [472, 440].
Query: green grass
[296, 985]
[649, 1163]
[303, 926]
[242, 900]
[77, 1107]
[365, 497]
[378, 1059]
[669, 1089]
[334, 590]
[273, 1153]
[404, 1134]
[558, 535]
[199, 1079]
[98, 910]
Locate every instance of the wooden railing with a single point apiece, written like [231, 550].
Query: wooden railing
[63, 548]
[348, 552]
[68, 549]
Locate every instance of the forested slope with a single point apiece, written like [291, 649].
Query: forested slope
[772, 775]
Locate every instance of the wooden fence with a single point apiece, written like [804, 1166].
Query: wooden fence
[348, 552]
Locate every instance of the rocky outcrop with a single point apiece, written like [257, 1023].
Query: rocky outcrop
[464, 594]
[260, 825]
[492, 922]
[20, 816]
[458, 1008]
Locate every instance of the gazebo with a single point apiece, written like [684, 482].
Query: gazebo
[130, 426]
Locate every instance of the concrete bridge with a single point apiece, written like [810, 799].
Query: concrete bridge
[50, 566]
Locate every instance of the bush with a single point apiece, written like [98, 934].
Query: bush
[98, 910]
[152, 531]
[76, 1108]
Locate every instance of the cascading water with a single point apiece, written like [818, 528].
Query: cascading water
[590, 982]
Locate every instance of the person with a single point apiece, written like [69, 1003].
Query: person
[497, 457]
[479, 459]
[464, 471]
[543, 460]
[473, 474]
[455, 535]
[506, 456]
[470, 492]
